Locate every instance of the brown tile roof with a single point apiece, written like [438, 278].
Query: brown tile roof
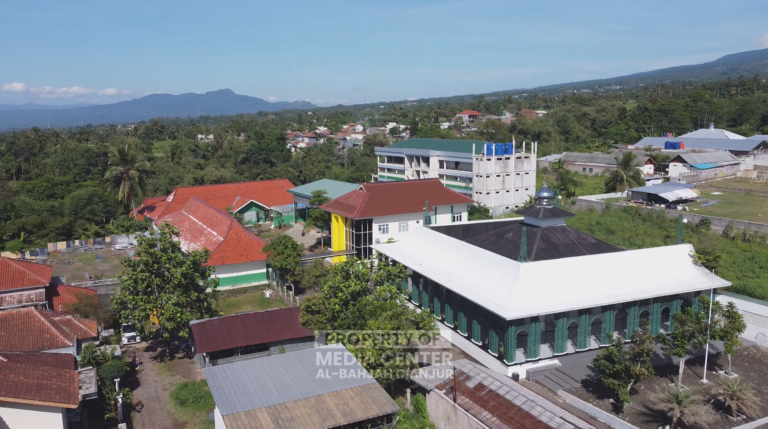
[61, 297]
[29, 329]
[41, 379]
[16, 274]
[202, 226]
[270, 193]
[245, 329]
[393, 198]
[470, 113]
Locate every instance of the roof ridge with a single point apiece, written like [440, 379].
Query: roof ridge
[76, 320]
[230, 183]
[50, 325]
[15, 264]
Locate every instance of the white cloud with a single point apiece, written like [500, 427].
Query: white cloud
[15, 87]
[272, 99]
[64, 92]
[762, 42]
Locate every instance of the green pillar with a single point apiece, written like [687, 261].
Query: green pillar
[425, 299]
[655, 322]
[404, 286]
[510, 344]
[415, 294]
[561, 333]
[448, 314]
[493, 341]
[476, 331]
[609, 325]
[534, 340]
[523, 255]
[695, 304]
[435, 215]
[426, 213]
[462, 318]
[633, 320]
[582, 338]
[437, 306]
[674, 309]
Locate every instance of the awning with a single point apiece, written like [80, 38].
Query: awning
[704, 166]
[679, 194]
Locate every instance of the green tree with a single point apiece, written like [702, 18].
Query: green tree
[163, 281]
[314, 275]
[285, 254]
[619, 367]
[690, 333]
[317, 217]
[478, 211]
[362, 295]
[730, 325]
[126, 175]
[738, 397]
[418, 418]
[683, 405]
[625, 175]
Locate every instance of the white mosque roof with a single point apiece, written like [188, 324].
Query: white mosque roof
[515, 290]
[712, 133]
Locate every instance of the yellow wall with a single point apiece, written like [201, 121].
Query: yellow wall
[338, 233]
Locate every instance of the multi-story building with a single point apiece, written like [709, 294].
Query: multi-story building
[499, 176]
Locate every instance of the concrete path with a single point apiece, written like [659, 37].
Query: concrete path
[308, 238]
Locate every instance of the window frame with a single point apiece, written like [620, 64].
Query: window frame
[402, 226]
[383, 228]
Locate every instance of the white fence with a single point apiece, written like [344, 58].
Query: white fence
[755, 314]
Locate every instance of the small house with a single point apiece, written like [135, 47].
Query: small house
[249, 335]
[23, 283]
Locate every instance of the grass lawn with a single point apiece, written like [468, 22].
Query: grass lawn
[191, 402]
[247, 299]
[75, 265]
[588, 185]
[749, 207]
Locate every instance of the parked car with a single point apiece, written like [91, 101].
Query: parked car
[129, 334]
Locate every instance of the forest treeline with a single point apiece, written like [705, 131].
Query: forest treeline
[53, 186]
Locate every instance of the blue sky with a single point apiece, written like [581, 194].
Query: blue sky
[330, 52]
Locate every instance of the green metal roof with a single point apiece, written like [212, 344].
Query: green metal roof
[463, 146]
[334, 188]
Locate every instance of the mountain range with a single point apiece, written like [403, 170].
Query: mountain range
[221, 102]
[226, 102]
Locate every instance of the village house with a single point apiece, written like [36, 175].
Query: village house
[389, 211]
[719, 164]
[23, 283]
[249, 335]
[516, 294]
[38, 389]
[61, 297]
[710, 139]
[597, 163]
[469, 116]
[309, 389]
[29, 329]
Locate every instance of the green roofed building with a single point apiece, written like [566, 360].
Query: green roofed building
[501, 176]
[302, 194]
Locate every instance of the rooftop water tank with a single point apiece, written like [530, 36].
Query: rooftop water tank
[509, 149]
[499, 149]
[489, 149]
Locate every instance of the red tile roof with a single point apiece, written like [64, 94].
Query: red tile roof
[247, 329]
[202, 226]
[393, 198]
[470, 113]
[61, 297]
[270, 193]
[40, 378]
[16, 274]
[28, 329]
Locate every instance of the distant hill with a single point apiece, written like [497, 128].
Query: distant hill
[745, 64]
[33, 106]
[221, 102]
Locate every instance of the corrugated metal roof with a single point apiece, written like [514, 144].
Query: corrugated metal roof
[712, 133]
[670, 191]
[744, 145]
[498, 401]
[257, 383]
[759, 137]
[719, 158]
[333, 188]
[246, 329]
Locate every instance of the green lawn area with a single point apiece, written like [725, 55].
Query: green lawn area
[247, 299]
[191, 401]
[749, 207]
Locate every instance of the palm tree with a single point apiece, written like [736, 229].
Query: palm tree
[126, 174]
[625, 175]
[683, 405]
[738, 397]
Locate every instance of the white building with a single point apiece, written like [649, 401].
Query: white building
[390, 211]
[499, 176]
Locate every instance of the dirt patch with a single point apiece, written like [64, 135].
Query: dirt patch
[751, 364]
[155, 381]
[78, 266]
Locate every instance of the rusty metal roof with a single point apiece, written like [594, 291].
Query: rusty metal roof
[245, 329]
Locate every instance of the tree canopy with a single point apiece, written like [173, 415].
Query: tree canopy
[163, 281]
